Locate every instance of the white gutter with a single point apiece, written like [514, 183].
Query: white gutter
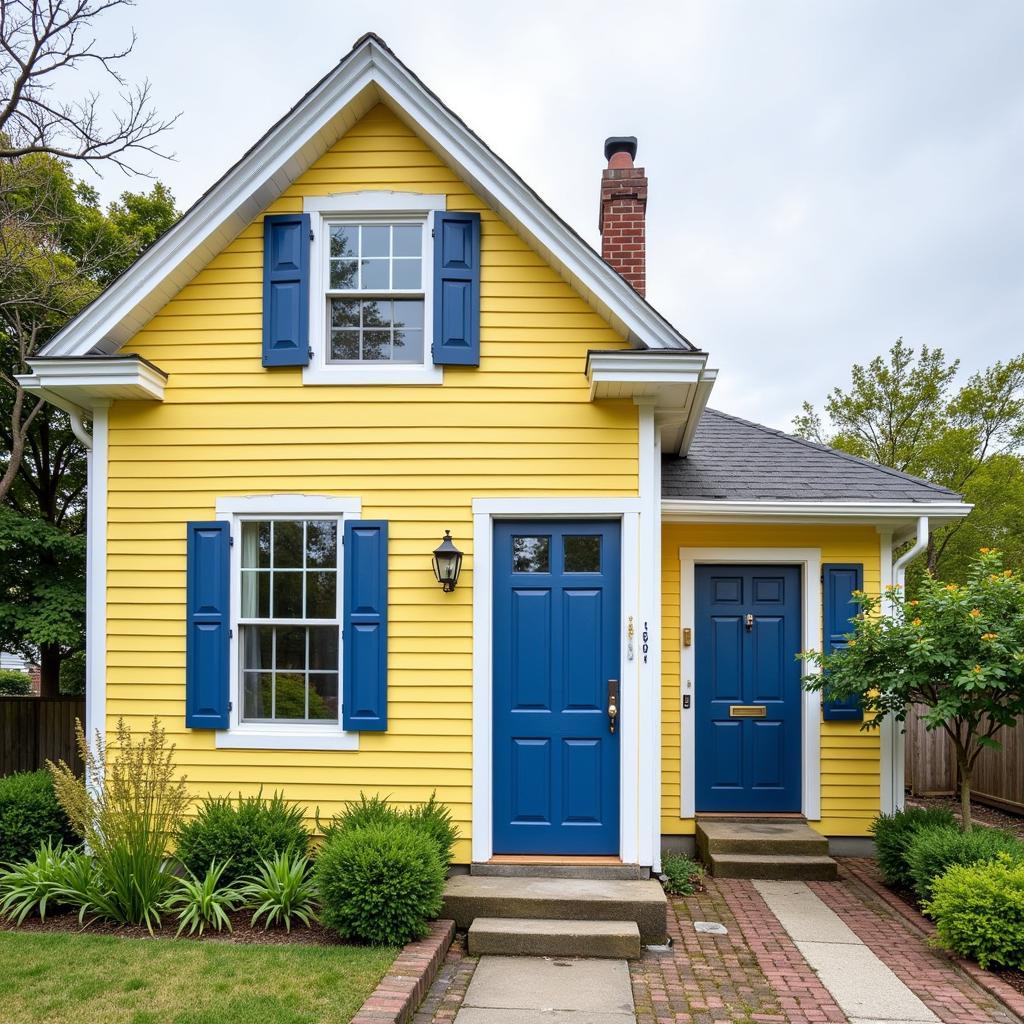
[704, 509]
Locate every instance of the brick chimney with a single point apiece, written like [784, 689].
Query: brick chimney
[622, 220]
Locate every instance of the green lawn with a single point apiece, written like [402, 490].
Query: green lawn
[66, 978]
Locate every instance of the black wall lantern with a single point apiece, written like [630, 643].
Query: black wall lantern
[447, 563]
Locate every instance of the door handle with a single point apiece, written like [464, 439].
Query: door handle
[613, 704]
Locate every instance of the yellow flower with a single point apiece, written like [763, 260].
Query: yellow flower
[1007, 572]
[977, 670]
[852, 643]
[975, 613]
[916, 622]
[984, 551]
[952, 588]
[913, 603]
[989, 636]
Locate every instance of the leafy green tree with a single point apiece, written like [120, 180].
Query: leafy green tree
[958, 649]
[906, 411]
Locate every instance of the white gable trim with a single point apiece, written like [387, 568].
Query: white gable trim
[368, 75]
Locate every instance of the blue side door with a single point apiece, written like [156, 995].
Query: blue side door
[747, 688]
[556, 646]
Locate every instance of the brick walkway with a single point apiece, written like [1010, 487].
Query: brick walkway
[755, 974]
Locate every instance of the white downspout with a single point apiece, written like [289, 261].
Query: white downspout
[899, 577]
[78, 429]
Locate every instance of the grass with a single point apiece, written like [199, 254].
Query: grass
[65, 978]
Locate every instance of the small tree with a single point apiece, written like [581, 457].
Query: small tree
[957, 649]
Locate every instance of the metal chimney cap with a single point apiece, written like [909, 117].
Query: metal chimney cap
[620, 144]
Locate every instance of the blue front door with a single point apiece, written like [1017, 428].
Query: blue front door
[747, 688]
[556, 646]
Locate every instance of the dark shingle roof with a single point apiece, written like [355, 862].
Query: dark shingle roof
[733, 459]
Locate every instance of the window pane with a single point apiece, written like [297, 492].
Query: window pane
[343, 240]
[322, 543]
[344, 312]
[256, 695]
[407, 240]
[531, 554]
[376, 345]
[290, 695]
[287, 595]
[291, 648]
[406, 274]
[323, 696]
[323, 648]
[408, 347]
[255, 545]
[343, 273]
[375, 240]
[255, 594]
[582, 554]
[376, 312]
[409, 313]
[287, 545]
[344, 344]
[374, 275]
[321, 595]
[257, 645]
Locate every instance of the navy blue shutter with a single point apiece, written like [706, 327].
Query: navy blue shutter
[208, 625]
[286, 246]
[456, 289]
[839, 582]
[365, 657]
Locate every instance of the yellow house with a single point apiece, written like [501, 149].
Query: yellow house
[370, 333]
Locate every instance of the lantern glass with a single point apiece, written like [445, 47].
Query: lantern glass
[447, 563]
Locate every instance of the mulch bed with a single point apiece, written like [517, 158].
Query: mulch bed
[981, 814]
[242, 935]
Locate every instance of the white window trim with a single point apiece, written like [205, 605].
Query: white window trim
[321, 210]
[278, 735]
[809, 562]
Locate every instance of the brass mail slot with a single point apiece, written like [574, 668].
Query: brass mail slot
[747, 711]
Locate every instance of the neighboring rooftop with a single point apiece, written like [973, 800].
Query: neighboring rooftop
[732, 459]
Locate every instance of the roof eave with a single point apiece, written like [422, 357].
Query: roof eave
[892, 514]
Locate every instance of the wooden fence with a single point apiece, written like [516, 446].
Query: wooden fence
[931, 765]
[34, 729]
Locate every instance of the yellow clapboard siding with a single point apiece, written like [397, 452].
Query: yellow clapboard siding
[849, 759]
[521, 423]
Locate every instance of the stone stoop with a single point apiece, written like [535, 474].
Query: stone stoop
[546, 916]
[765, 849]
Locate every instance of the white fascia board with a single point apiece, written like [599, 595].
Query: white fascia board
[81, 384]
[630, 367]
[367, 75]
[683, 510]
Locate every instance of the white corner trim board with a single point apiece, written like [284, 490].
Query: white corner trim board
[96, 581]
[809, 560]
[638, 775]
[271, 735]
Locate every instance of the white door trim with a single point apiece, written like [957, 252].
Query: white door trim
[635, 772]
[809, 561]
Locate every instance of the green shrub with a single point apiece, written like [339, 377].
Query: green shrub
[14, 683]
[282, 890]
[72, 675]
[30, 815]
[125, 808]
[202, 903]
[432, 818]
[683, 874]
[380, 883]
[33, 884]
[242, 834]
[930, 851]
[893, 832]
[979, 911]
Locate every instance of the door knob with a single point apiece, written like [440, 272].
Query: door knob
[613, 704]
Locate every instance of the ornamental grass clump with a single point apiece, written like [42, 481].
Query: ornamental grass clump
[282, 891]
[202, 903]
[35, 884]
[126, 808]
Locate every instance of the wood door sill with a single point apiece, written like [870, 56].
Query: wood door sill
[750, 815]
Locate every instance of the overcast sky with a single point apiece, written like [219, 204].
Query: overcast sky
[824, 176]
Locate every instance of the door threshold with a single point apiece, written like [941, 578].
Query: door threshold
[537, 859]
[750, 816]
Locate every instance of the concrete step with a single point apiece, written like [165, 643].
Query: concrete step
[518, 936]
[783, 867]
[759, 837]
[596, 872]
[467, 897]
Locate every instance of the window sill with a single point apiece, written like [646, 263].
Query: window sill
[402, 374]
[282, 737]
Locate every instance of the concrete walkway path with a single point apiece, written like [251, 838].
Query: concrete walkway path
[866, 990]
[543, 990]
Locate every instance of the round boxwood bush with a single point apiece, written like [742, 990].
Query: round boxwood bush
[14, 683]
[379, 884]
[893, 832]
[30, 816]
[241, 835]
[930, 851]
[979, 911]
